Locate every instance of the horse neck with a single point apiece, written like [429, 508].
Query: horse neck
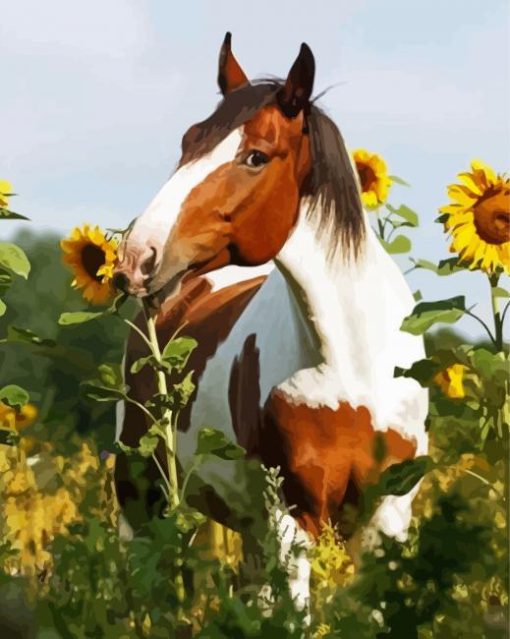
[354, 306]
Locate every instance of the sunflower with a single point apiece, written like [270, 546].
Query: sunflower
[12, 419]
[373, 177]
[450, 381]
[92, 257]
[478, 218]
[5, 192]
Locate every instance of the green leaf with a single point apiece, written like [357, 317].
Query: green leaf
[148, 443]
[78, 317]
[407, 214]
[449, 266]
[5, 214]
[99, 393]
[14, 259]
[177, 352]
[182, 391]
[399, 479]
[213, 442]
[444, 267]
[417, 296]
[111, 375]
[425, 264]
[137, 365]
[108, 387]
[25, 335]
[14, 395]
[398, 180]
[3, 307]
[426, 314]
[5, 282]
[400, 244]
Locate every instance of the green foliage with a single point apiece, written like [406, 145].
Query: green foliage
[449, 579]
[399, 244]
[426, 314]
[214, 442]
[13, 258]
[14, 395]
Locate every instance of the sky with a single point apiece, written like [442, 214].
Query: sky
[96, 96]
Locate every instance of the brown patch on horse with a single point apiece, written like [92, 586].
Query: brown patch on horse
[323, 453]
[244, 396]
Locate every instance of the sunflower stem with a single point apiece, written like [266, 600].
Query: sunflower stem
[170, 441]
[167, 417]
[380, 225]
[498, 318]
[478, 319]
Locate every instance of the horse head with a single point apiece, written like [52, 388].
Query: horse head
[234, 196]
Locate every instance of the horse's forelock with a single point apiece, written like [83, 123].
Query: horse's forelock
[236, 108]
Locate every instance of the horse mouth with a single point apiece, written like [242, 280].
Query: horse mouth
[155, 296]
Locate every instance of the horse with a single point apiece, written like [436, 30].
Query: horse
[297, 365]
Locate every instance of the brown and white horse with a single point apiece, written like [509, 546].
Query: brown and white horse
[296, 366]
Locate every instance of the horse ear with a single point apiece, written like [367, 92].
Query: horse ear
[230, 74]
[294, 95]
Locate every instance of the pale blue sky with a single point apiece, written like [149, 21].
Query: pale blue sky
[96, 96]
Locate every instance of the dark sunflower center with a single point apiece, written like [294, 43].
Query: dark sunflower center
[92, 258]
[367, 177]
[492, 216]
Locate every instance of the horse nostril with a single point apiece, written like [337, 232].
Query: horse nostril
[148, 264]
[121, 281]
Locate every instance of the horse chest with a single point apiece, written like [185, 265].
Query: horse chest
[267, 345]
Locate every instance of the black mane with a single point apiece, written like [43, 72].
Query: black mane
[331, 185]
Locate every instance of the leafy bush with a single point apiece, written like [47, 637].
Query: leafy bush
[70, 568]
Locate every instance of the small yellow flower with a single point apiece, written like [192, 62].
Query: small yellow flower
[332, 565]
[91, 257]
[322, 630]
[17, 420]
[373, 177]
[6, 189]
[478, 218]
[450, 381]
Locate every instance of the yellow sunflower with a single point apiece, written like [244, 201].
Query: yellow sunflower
[478, 218]
[13, 419]
[5, 190]
[373, 176]
[450, 381]
[91, 257]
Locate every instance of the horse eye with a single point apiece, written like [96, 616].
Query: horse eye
[256, 159]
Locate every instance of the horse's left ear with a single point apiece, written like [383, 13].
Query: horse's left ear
[230, 74]
[295, 94]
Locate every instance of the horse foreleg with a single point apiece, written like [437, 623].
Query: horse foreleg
[294, 546]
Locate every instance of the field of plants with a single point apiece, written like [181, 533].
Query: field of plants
[70, 568]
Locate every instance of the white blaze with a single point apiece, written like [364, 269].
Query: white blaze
[153, 227]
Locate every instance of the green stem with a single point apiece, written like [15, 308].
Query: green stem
[143, 408]
[380, 225]
[166, 418]
[478, 319]
[498, 320]
[139, 331]
[170, 449]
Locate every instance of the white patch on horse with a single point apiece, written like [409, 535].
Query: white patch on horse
[356, 307]
[153, 227]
